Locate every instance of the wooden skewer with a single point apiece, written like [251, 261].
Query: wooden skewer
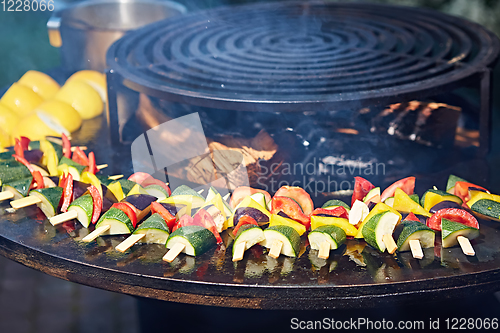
[81, 147]
[96, 233]
[466, 246]
[115, 177]
[416, 249]
[324, 250]
[239, 251]
[6, 195]
[101, 166]
[174, 252]
[61, 218]
[25, 202]
[389, 243]
[129, 242]
[201, 191]
[275, 250]
[226, 196]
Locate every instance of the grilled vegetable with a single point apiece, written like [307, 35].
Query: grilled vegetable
[451, 230]
[404, 204]
[185, 192]
[196, 240]
[249, 234]
[83, 206]
[378, 226]
[277, 220]
[330, 204]
[13, 172]
[287, 235]
[243, 192]
[409, 230]
[443, 205]
[332, 234]
[118, 222]
[318, 221]
[66, 165]
[19, 188]
[361, 189]
[453, 214]
[156, 191]
[155, 229]
[299, 195]
[407, 185]
[433, 197]
[291, 209]
[50, 198]
[249, 207]
[379, 208]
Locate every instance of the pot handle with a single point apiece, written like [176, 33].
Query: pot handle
[53, 26]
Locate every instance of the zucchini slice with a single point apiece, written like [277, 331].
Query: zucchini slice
[184, 192]
[249, 234]
[156, 191]
[451, 230]
[334, 235]
[197, 240]
[330, 204]
[155, 229]
[487, 209]
[118, 221]
[287, 235]
[19, 188]
[50, 198]
[409, 230]
[83, 206]
[378, 226]
[9, 174]
[66, 165]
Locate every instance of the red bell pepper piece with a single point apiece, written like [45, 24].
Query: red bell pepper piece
[80, 157]
[18, 148]
[183, 221]
[66, 145]
[462, 190]
[245, 219]
[361, 189]
[452, 214]
[204, 219]
[22, 160]
[91, 164]
[291, 208]
[157, 207]
[25, 143]
[97, 203]
[62, 180]
[412, 217]
[67, 196]
[335, 212]
[406, 184]
[38, 179]
[124, 207]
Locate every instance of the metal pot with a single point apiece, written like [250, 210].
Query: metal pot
[85, 31]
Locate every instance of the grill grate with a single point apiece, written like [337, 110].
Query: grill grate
[301, 55]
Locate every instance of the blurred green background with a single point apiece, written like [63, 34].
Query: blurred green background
[24, 43]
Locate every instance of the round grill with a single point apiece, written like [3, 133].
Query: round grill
[298, 56]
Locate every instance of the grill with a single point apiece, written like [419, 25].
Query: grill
[281, 61]
[298, 56]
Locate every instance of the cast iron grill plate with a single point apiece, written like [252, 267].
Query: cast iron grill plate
[293, 55]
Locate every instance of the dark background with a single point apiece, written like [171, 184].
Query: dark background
[34, 302]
